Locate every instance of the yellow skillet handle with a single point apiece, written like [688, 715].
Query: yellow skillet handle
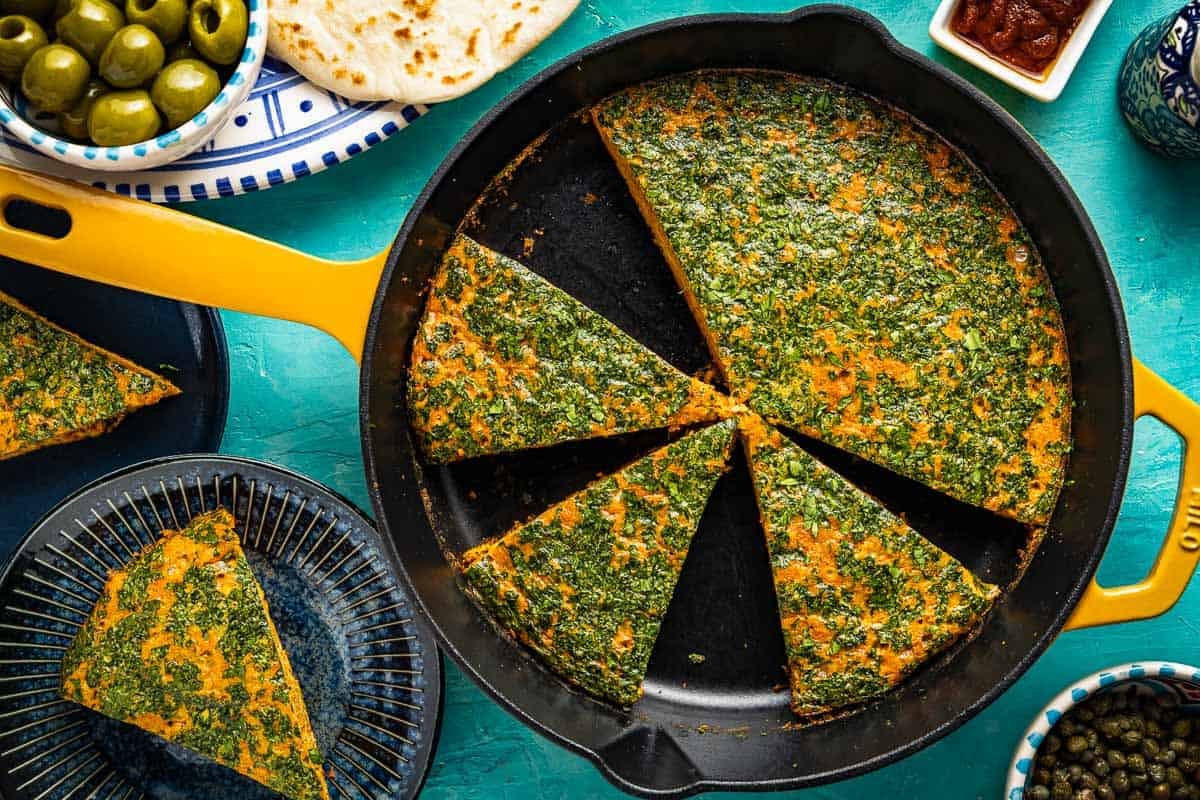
[140, 246]
[1181, 549]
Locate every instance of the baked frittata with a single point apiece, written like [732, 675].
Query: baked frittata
[586, 584]
[863, 599]
[857, 279]
[504, 361]
[56, 388]
[181, 645]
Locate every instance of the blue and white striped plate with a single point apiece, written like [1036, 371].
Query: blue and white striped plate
[370, 674]
[287, 128]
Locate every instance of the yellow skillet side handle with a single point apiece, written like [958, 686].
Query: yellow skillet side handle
[1181, 549]
[148, 248]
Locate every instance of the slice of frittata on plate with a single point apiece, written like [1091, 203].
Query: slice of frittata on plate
[863, 599]
[504, 361]
[586, 584]
[56, 388]
[181, 645]
[857, 279]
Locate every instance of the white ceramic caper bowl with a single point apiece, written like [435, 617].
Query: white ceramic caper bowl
[19, 119]
[1150, 677]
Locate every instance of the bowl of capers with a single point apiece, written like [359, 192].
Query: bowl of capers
[121, 85]
[1129, 732]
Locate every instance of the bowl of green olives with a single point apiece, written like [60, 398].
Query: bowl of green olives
[1129, 732]
[121, 85]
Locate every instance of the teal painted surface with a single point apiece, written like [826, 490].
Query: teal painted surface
[294, 390]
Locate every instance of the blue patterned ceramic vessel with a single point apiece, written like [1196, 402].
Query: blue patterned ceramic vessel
[1159, 88]
[1149, 677]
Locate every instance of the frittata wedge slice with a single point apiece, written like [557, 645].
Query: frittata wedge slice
[857, 279]
[586, 584]
[56, 388]
[181, 645]
[506, 361]
[863, 598]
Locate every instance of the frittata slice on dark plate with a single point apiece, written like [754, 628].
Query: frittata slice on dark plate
[857, 279]
[181, 645]
[863, 599]
[504, 361]
[586, 584]
[56, 388]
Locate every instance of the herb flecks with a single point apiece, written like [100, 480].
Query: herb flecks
[863, 598]
[181, 645]
[503, 361]
[56, 388]
[858, 279]
[586, 584]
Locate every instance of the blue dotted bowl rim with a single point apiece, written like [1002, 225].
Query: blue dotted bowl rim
[167, 146]
[1072, 695]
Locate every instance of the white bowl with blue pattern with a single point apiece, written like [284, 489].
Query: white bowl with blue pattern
[23, 123]
[1150, 677]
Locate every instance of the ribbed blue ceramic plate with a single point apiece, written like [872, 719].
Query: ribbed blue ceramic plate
[371, 677]
[287, 128]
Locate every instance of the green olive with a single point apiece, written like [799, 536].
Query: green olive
[20, 38]
[218, 29]
[38, 9]
[120, 118]
[55, 77]
[180, 50]
[166, 18]
[88, 26]
[73, 121]
[133, 56]
[183, 88]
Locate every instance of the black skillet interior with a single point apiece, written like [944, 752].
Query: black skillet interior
[566, 213]
[184, 343]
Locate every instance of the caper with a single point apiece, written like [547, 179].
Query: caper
[1174, 776]
[1105, 793]
[1161, 791]
[1049, 760]
[1131, 738]
[1038, 793]
[1138, 779]
[1061, 791]
[1116, 759]
[1120, 781]
[1165, 756]
[1136, 762]
[1110, 728]
[1051, 744]
[1089, 781]
[1085, 794]
[1181, 729]
[1156, 773]
[1101, 768]
[1076, 744]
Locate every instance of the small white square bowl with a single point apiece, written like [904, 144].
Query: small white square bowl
[1049, 86]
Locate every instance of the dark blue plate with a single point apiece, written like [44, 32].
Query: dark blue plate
[184, 343]
[371, 676]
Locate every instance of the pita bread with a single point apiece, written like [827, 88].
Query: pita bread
[412, 51]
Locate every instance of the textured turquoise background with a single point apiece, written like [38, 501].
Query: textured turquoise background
[294, 390]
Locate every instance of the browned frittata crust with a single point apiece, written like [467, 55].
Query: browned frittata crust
[863, 599]
[56, 388]
[181, 645]
[586, 584]
[503, 361]
[857, 278]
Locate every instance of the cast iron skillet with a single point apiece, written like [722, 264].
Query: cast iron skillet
[600, 252]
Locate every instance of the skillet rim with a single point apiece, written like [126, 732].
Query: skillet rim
[1038, 159]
